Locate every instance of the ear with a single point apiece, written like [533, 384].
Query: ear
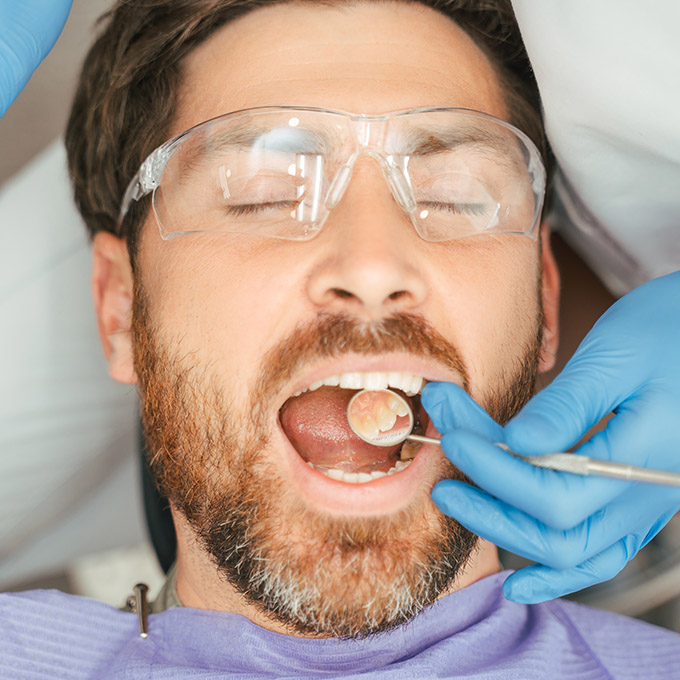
[550, 287]
[112, 290]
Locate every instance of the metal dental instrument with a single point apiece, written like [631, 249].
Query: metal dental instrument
[138, 603]
[361, 403]
[583, 465]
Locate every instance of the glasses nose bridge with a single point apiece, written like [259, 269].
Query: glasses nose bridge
[370, 133]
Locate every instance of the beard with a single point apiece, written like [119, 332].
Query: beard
[317, 574]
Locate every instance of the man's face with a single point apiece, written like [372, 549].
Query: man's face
[228, 328]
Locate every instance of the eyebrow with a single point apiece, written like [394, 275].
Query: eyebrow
[424, 142]
[499, 149]
[247, 134]
[284, 139]
[420, 141]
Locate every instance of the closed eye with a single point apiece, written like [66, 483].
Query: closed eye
[456, 208]
[239, 210]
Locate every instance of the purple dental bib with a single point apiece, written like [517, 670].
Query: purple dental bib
[473, 633]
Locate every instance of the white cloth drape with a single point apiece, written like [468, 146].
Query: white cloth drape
[609, 75]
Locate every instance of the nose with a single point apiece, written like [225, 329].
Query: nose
[370, 260]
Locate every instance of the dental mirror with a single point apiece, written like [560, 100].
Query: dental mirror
[383, 418]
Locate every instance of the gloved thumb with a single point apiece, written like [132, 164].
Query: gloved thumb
[589, 387]
[450, 407]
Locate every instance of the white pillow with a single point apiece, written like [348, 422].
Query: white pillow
[609, 75]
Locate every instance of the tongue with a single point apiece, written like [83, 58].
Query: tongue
[316, 424]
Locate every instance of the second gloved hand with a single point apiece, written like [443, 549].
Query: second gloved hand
[28, 30]
[578, 530]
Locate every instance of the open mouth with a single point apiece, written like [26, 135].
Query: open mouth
[315, 422]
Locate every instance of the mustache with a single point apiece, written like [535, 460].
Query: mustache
[330, 336]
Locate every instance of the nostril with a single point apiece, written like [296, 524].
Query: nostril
[346, 295]
[341, 293]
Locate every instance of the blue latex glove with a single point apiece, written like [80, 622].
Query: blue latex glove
[28, 31]
[578, 530]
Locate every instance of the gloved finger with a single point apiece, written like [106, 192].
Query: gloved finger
[538, 583]
[492, 519]
[28, 31]
[641, 433]
[656, 527]
[521, 534]
[507, 527]
[450, 407]
[559, 415]
[558, 499]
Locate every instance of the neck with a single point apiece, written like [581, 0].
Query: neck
[201, 586]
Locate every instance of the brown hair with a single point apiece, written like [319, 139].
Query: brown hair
[128, 89]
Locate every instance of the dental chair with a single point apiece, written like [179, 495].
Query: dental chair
[157, 511]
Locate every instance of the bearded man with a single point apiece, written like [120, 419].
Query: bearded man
[292, 202]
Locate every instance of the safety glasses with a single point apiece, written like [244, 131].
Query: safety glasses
[280, 171]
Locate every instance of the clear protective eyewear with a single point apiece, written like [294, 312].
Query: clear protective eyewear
[279, 171]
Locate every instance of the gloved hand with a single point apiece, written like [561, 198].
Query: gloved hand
[28, 30]
[578, 530]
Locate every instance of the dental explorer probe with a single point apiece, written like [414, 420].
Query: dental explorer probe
[577, 464]
[573, 463]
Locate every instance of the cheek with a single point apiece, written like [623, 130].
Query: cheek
[490, 304]
[221, 300]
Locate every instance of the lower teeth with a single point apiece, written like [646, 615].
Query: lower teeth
[360, 477]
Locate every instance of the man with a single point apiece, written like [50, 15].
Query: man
[266, 265]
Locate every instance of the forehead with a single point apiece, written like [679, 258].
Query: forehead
[362, 57]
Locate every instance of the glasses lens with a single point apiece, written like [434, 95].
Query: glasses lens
[251, 174]
[267, 173]
[468, 175]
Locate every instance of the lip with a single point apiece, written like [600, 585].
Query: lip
[379, 497]
[350, 363]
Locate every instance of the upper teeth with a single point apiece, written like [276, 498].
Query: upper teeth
[406, 382]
